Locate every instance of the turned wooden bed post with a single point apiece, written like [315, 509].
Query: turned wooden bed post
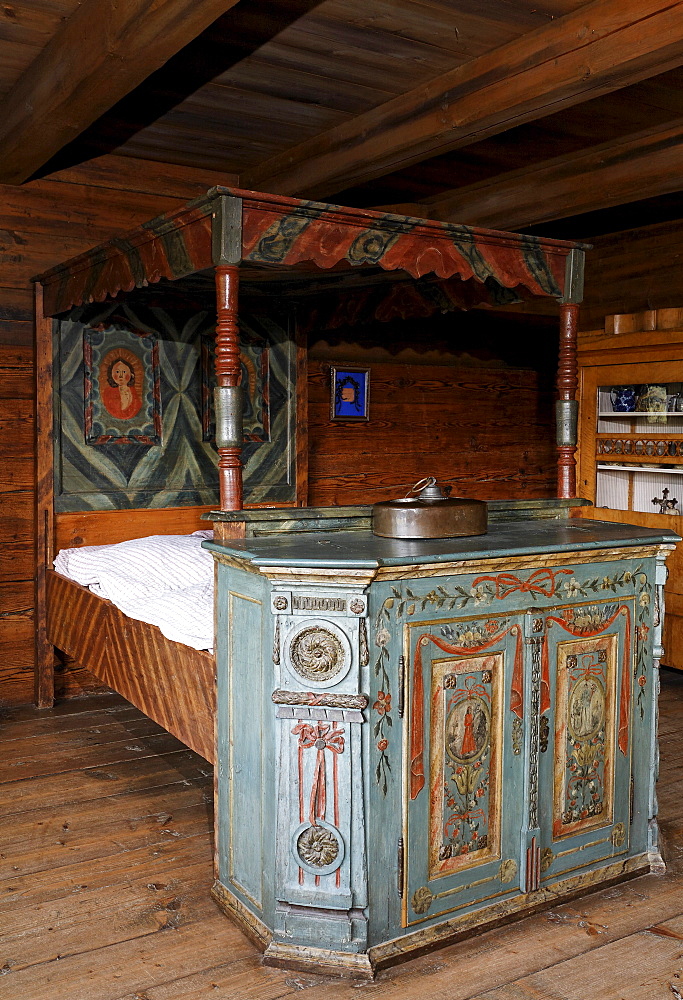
[226, 246]
[228, 395]
[567, 407]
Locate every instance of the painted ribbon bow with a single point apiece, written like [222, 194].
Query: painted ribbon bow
[541, 581]
[323, 737]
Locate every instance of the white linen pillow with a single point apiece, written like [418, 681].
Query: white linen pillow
[144, 567]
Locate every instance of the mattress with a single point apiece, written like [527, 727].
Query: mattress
[164, 580]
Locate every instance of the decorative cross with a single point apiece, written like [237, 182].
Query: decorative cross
[666, 506]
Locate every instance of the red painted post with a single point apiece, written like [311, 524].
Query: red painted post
[567, 383]
[228, 419]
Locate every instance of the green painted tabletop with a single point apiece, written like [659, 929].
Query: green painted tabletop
[362, 549]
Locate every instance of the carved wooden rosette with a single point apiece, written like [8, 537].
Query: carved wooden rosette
[567, 382]
[228, 396]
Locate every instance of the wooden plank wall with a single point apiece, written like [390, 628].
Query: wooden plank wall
[16, 520]
[633, 271]
[42, 223]
[460, 424]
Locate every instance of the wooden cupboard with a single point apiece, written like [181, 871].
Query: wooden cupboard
[628, 458]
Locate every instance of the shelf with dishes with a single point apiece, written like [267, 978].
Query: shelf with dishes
[655, 403]
[641, 414]
[631, 438]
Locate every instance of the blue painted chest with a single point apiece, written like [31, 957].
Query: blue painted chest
[417, 739]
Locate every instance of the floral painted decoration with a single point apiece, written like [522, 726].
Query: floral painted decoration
[382, 703]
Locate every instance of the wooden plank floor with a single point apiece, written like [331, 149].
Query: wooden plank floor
[105, 870]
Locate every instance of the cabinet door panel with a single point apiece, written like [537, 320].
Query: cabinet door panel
[589, 662]
[585, 731]
[463, 790]
[464, 762]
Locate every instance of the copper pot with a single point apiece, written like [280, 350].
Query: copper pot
[427, 513]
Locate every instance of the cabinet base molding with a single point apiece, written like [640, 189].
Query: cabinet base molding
[457, 928]
[248, 922]
[323, 961]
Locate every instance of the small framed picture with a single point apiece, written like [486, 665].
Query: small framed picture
[349, 393]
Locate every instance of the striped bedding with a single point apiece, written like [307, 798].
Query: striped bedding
[165, 580]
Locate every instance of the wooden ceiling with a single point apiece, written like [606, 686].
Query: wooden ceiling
[556, 117]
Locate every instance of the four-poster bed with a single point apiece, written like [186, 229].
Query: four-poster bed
[318, 622]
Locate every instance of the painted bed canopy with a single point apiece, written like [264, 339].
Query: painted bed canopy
[246, 235]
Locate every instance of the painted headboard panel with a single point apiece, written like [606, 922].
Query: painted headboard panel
[133, 407]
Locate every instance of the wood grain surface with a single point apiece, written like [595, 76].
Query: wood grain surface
[633, 270]
[544, 70]
[458, 424]
[16, 523]
[607, 174]
[105, 527]
[172, 683]
[104, 890]
[120, 47]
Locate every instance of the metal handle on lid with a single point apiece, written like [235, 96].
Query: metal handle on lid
[426, 489]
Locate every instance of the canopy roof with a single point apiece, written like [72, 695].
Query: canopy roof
[263, 231]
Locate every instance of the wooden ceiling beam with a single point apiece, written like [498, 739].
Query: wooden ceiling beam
[646, 164]
[595, 50]
[101, 53]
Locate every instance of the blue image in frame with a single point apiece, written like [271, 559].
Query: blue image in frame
[350, 393]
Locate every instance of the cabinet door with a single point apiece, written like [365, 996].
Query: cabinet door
[465, 781]
[584, 772]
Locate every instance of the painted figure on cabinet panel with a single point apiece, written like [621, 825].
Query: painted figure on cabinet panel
[464, 785]
[468, 729]
[584, 751]
[468, 746]
[586, 709]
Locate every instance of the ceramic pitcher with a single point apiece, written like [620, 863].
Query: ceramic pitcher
[652, 398]
[623, 398]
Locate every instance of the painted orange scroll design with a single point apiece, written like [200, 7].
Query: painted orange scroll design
[625, 692]
[542, 581]
[417, 736]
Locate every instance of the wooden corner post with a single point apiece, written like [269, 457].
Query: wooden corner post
[228, 395]
[567, 407]
[44, 687]
[227, 248]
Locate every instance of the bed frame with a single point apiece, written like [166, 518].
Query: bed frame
[238, 235]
